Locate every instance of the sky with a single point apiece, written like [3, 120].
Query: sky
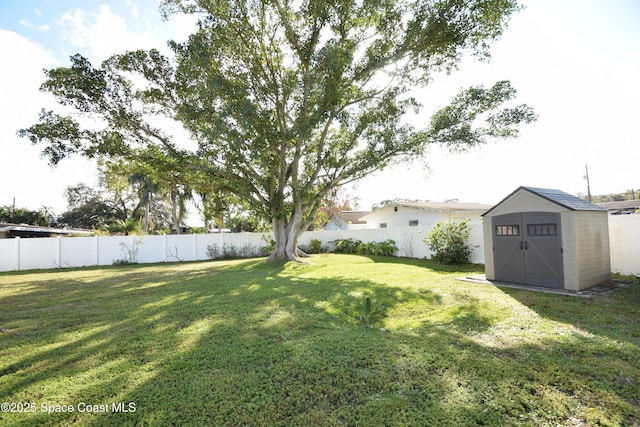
[576, 62]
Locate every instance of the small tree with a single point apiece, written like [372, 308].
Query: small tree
[449, 241]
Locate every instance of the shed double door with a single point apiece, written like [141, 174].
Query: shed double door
[527, 249]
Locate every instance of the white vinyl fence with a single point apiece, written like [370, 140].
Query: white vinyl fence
[407, 239]
[624, 241]
[63, 252]
[57, 252]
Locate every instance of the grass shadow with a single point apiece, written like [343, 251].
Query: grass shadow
[254, 343]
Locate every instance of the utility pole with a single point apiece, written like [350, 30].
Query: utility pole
[586, 169]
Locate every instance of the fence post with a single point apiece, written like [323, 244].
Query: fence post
[96, 250]
[17, 239]
[59, 250]
[195, 247]
[164, 248]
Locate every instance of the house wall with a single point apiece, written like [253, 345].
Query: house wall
[335, 224]
[404, 214]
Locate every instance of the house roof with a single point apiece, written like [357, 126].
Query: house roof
[437, 207]
[447, 207]
[558, 197]
[624, 206]
[25, 228]
[352, 217]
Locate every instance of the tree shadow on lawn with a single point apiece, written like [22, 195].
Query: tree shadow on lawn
[613, 314]
[426, 263]
[604, 332]
[278, 349]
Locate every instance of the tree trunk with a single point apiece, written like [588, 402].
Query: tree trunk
[174, 211]
[286, 236]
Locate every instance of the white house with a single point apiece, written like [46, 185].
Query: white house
[418, 214]
[346, 220]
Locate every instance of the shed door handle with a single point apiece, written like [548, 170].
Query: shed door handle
[526, 246]
[520, 244]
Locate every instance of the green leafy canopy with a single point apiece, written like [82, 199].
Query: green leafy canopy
[290, 100]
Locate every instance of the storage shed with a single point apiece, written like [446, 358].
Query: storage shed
[544, 237]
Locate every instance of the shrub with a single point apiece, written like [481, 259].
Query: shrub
[348, 246]
[231, 251]
[386, 248]
[449, 241]
[353, 246]
[315, 247]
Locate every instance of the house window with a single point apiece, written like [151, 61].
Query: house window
[413, 222]
[383, 225]
[507, 230]
[542, 230]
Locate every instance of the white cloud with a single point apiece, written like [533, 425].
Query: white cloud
[24, 175]
[27, 24]
[101, 34]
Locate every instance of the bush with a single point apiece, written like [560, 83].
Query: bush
[347, 246]
[315, 247]
[353, 246]
[449, 241]
[230, 251]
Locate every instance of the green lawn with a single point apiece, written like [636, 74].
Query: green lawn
[253, 343]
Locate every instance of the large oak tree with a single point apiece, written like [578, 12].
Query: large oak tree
[289, 100]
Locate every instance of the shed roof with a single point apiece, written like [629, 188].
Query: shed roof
[556, 196]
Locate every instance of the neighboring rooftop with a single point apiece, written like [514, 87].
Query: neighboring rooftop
[447, 207]
[9, 230]
[622, 207]
[352, 217]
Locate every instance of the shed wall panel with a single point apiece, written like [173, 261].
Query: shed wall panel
[489, 268]
[524, 201]
[569, 258]
[592, 248]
